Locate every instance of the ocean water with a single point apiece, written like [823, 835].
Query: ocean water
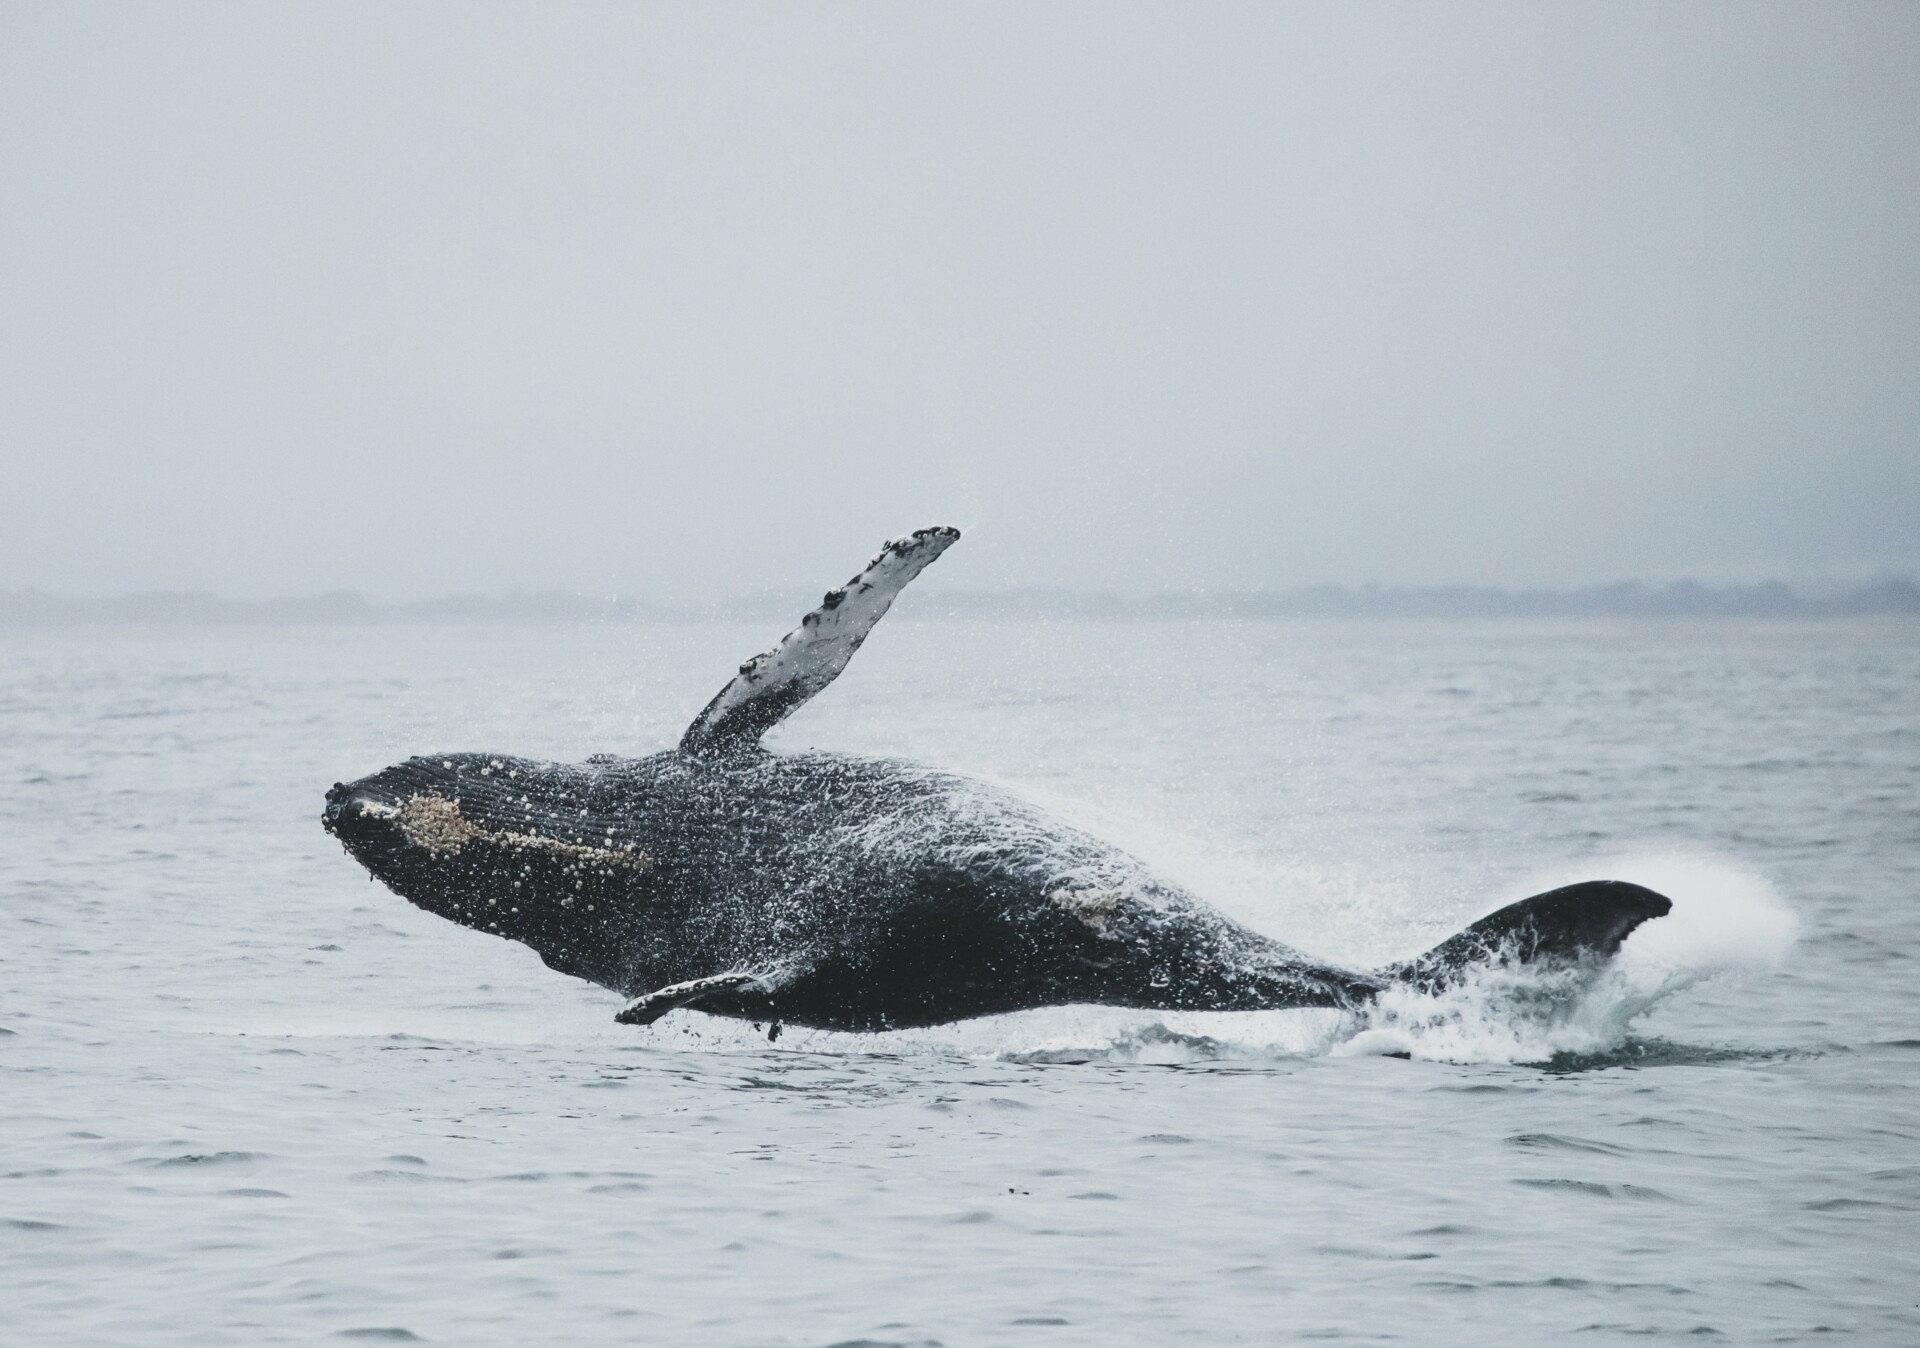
[247, 1097]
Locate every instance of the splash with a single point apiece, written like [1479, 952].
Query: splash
[1725, 919]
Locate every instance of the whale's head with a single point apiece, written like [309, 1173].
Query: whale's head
[504, 846]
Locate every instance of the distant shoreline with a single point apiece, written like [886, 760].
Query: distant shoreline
[1630, 599]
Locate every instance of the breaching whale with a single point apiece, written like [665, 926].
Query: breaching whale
[850, 893]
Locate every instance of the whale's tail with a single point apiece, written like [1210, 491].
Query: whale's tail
[1578, 924]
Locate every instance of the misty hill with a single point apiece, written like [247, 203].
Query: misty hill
[1630, 599]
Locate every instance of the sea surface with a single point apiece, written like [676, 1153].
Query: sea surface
[247, 1097]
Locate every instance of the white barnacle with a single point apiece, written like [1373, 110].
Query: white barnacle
[1092, 906]
[435, 823]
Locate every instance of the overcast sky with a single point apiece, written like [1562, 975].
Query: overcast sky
[681, 301]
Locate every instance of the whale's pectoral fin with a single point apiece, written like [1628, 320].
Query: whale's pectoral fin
[1580, 923]
[810, 657]
[650, 1006]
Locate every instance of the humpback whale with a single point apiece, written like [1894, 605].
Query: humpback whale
[850, 893]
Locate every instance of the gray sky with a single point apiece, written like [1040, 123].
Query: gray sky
[678, 301]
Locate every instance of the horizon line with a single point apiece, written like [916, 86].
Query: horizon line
[1617, 599]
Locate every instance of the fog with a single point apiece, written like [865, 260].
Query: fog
[674, 301]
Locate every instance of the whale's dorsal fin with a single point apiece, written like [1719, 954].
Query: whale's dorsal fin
[811, 656]
[1587, 921]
